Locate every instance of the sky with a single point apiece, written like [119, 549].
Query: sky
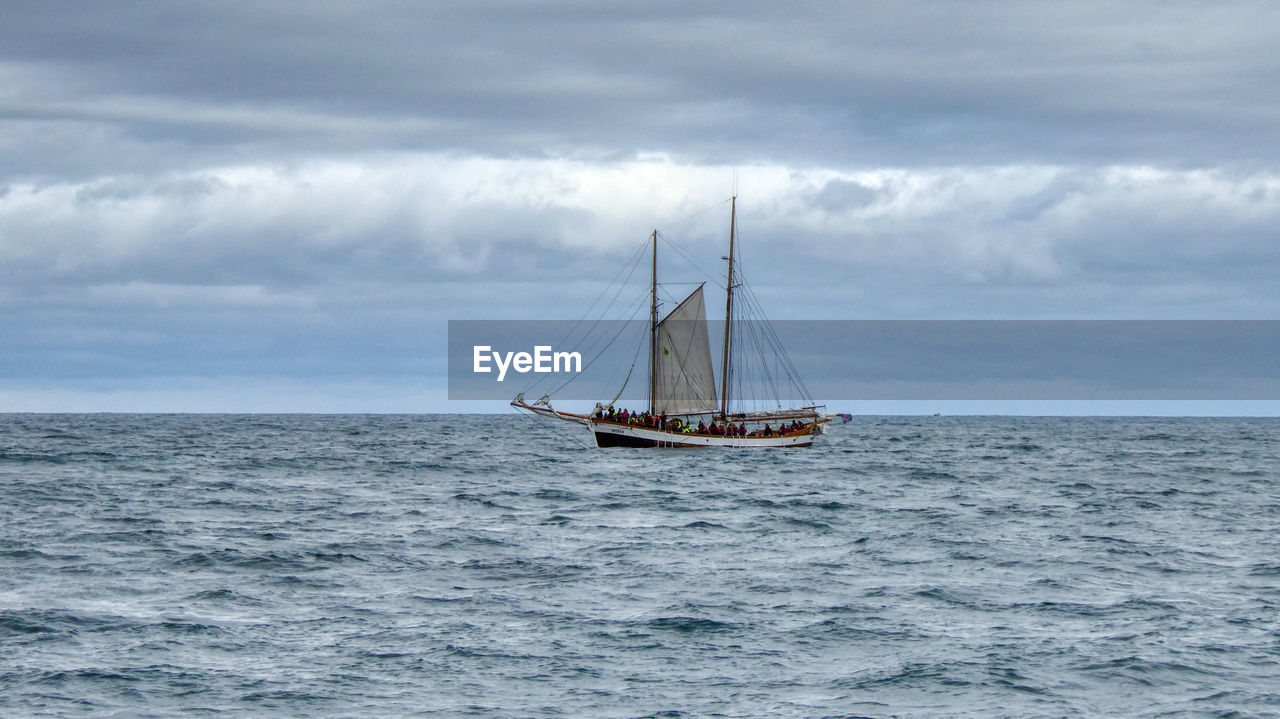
[277, 207]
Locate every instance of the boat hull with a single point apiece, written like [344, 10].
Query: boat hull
[610, 434]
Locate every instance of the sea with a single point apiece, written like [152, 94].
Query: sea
[492, 566]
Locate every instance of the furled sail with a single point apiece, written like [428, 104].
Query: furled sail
[683, 381]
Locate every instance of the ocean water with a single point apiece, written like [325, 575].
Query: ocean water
[448, 566]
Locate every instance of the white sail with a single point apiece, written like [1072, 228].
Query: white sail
[683, 381]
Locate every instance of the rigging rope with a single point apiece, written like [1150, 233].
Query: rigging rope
[709, 277]
[632, 264]
[622, 325]
[630, 369]
[703, 211]
[538, 420]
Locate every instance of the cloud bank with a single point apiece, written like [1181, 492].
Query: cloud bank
[235, 195]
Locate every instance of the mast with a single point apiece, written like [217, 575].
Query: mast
[728, 315]
[653, 328]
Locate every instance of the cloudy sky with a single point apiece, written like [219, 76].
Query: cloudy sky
[246, 206]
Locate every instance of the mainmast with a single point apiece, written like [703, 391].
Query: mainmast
[728, 316]
[653, 329]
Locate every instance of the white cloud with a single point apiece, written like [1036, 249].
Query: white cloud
[263, 233]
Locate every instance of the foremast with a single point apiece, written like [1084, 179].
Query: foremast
[725, 364]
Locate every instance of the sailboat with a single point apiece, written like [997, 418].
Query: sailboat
[683, 408]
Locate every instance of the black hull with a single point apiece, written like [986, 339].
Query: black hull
[605, 439]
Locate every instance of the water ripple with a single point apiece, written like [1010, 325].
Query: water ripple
[390, 566]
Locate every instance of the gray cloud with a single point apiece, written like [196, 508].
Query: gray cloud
[239, 188]
[932, 83]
